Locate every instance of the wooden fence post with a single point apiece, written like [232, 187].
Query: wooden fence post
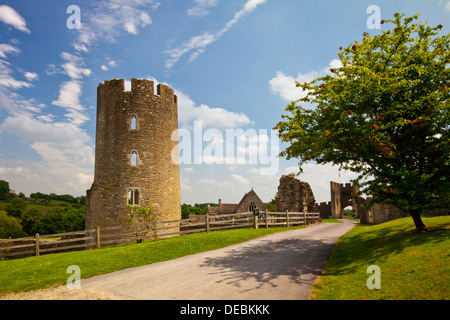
[155, 230]
[267, 220]
[207, 222]
[287, 218]
[255, 221]
[37, 244]
[305, 222]
[98, 237]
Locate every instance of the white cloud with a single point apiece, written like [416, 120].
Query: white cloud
[65, 150]
[31, 76]
[240, 179]
[111, 63]
[6, 49]
[197, 44]
[189, 112]
[69, 95]
[73, 67]
[285, 85]
[447, 6]
[6, 77]
[9, 16]
[109, 19]
[201, 8]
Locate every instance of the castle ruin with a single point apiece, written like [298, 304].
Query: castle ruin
[135, 153]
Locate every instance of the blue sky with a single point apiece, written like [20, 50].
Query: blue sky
[232, 63]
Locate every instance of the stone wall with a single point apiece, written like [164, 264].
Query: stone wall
[141, 122]
[295, 195]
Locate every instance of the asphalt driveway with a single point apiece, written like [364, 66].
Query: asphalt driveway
[281, 266]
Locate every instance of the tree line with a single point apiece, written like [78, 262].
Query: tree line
[20, 218]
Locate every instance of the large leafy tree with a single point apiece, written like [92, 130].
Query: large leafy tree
[383, 114]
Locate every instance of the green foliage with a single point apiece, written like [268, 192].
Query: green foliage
[16, 207]
[29, 220]
[140, 215]
[10, 227]
[60, 221]
[384, 115]
[187, 210]
[4, 189]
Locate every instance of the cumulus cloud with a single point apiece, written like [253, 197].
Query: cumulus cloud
[285, 85]
[10, 17]
[189, 112]
[31, 76]
[65, 151]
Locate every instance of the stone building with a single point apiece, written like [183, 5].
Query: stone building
[136, 154]
[295, 195]
[248, 203]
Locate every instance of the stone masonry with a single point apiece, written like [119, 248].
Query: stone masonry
[295, 195]
[136, 154]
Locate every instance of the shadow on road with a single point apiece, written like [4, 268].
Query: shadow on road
[300, 261]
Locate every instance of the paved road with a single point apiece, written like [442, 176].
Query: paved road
[281, 266]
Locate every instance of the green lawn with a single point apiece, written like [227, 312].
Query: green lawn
[39, 272]
[412, 265]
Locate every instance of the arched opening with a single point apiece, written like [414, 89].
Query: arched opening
[252, 206]
[134, 158]
[133, 197]
[133, 123]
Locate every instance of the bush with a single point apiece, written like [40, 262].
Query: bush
[10, 227]
[29, 220]
[16, 207]
[61, 220]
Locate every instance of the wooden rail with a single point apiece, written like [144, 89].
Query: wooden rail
[103, 237]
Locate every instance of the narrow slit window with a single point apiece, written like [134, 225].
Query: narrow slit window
[136, 197]
[130, 197]
[252, 207]
[133, 123]
[134, 158]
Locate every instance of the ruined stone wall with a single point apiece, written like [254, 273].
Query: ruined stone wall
[380, 213]
[154, 178]
[295, 195]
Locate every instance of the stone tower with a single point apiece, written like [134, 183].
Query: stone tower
[136, 159]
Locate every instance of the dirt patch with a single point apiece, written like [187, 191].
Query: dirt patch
[62, 293]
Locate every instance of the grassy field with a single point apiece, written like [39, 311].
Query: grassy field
[412, 265]
[43, 207]
[39, 272]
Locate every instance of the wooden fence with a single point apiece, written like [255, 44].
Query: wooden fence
[103, 237]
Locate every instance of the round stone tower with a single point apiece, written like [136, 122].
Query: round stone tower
[136, 159]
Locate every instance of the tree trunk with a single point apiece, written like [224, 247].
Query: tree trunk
[420, 227]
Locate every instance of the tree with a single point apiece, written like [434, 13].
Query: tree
[143, 217]
[16, 207]
[4, 189]
[10, 227]
[383, 114]
[29, 219]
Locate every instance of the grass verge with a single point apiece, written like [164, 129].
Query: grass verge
[414, 266]
[44, 271]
